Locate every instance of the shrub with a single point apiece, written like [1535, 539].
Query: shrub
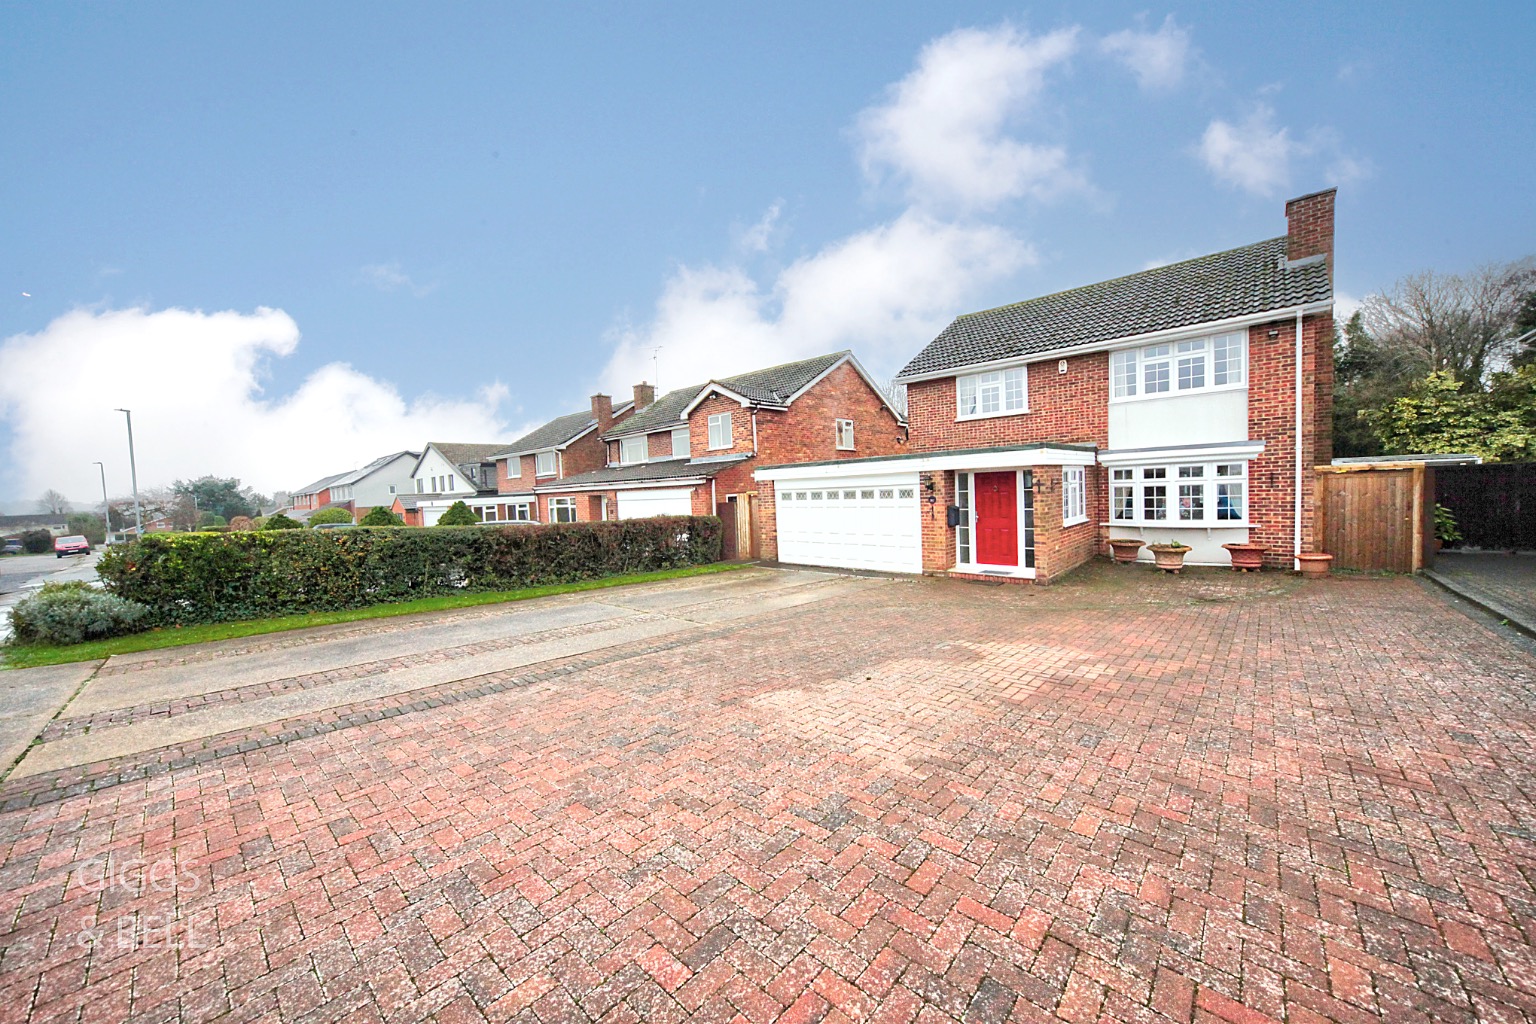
[36, 542]
[379, 515]
[88, 526]
[330, 515]
[208, 519]
[242, 523]
[71, 613]
[187, 578]
[281, 522]
[458, 514]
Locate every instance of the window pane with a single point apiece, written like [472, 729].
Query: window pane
[1191, 372]
[1013, 399]
[1231, 469]
[1154, 501]
[1228, 357]
[1155, 378]
[1191, 471]
[1154, 473]
[966, 396]
[1124, 503]
[990, 388]
[1123, 373]
[680, 442]
[1123, 474]
[1229, 501]
[1191, 501]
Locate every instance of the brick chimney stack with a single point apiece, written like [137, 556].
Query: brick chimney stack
[602, 411]
[645, 394]
[1310, 231]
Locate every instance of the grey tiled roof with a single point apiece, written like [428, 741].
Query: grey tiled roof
[672, 469]
[771, 386]
[358, 474]
[320, 485]
[1239, 282]
[551, 435]
[464, 454]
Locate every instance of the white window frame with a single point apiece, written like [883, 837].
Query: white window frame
[720, 436]
[556, 504]
[1008, 388]
[519, 512]
[554, 464]
[1168, 363]
[1074, 495]
[1204, 482]
[680, 443]
[845, 436]
[626, 450]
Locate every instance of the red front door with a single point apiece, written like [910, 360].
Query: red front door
[997, 519]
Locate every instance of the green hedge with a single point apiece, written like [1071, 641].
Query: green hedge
[189, 578]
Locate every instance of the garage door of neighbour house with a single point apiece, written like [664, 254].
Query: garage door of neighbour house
[662, 501]
[852, 523]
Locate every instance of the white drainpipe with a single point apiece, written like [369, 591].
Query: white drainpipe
[1297, 560]
[754, 431]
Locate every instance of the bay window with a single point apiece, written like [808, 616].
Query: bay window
[1195, 364]
[998, 393]
[1192, 494]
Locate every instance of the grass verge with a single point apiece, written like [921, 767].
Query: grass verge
[181, 636]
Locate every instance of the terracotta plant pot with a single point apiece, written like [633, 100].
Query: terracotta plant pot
[1246, 557]
[1125, 550]
[1169, 558]
[1314, 564]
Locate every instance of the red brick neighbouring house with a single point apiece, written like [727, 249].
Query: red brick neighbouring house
[1175, 403]
[693, 451]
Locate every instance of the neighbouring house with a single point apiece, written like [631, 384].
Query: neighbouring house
[1188, 402]
[693, 451]
[378, 483]
[444, 473]
[313, 497]
[566, 446]
[55, 523]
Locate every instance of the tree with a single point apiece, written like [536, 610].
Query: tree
[1458, 323]
[1441, 414]
[458, 514]
[36, 542]
[88, 526]
[1525, 331]
[380, 515]
[281, 522]
[330, 515]
[54, 503]
[1366, 375]
[223, 496]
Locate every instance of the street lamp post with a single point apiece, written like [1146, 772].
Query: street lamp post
[133, 470]
[106, 506]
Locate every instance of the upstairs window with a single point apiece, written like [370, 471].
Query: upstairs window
[1195, 364]
[998, 393]
[680, 443]
[720, 430]
[632, 450]
[545, 464]
[845, 435]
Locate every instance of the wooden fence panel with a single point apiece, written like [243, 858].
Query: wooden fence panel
[1374, 520]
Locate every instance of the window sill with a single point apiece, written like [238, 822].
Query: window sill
[991, 415]
[1215, 389]
[1176, 524]
[1074, 521]
[842, 449]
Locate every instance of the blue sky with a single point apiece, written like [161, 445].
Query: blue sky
[488, 212]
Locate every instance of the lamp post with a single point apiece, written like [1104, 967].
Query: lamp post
[106, 506]
[133, 470]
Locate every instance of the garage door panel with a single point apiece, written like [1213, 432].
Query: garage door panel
[853, 523]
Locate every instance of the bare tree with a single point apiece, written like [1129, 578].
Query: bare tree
[1464, 323]
[54, 503]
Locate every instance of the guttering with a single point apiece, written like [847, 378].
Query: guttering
[626, 485]
[986, 458]
[1232, 450]
[1126, 341]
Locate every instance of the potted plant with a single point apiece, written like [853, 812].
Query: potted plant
[1170, 556]
[1314, 564]
[1125, 550]
[1446, 530]
[1246, 557]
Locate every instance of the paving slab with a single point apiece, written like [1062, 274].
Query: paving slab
[1501, 583]
[30, 698]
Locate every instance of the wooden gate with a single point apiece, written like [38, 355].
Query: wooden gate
[738, 520]
[726, 510]
[1377, 517]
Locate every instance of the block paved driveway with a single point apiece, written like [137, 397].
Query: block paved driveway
[1122, 797]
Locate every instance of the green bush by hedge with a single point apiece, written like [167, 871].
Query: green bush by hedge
[330, 515]
[36, 542]
[72, 613]
[458, 514]
[189, 578]
[281, 522]
[380, 515]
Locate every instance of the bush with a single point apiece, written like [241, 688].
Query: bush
[281, 522]
[379, 515]
[37, 542]
[458, 514]
[330, 515]
[71, 613]
[208, 519]
[88, 526]
[242, 523]
[187, 578]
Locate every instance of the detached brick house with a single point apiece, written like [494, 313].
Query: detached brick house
[447, 472]
[566, 446]
[693, 451]
[1187, 402]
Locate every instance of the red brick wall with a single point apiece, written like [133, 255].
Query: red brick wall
[698, 427]
[1067, 408]
[1060, 548]
[1309, 231]
[808, 431]
[938, 535]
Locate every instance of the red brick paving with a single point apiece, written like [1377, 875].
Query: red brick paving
[1195, 801]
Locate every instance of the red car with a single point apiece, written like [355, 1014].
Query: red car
[76, 545]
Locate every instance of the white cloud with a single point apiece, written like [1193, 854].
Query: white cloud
[942, 131]
[760, 236]
[884, 292]
[389, 277]
[1254, 155]
[1157, 59]
[194, 383]
[1345, 305]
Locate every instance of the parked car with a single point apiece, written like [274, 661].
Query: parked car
[13, 546]
[76, 545]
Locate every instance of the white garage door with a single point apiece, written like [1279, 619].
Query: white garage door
[664, 501]
[852, 523]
